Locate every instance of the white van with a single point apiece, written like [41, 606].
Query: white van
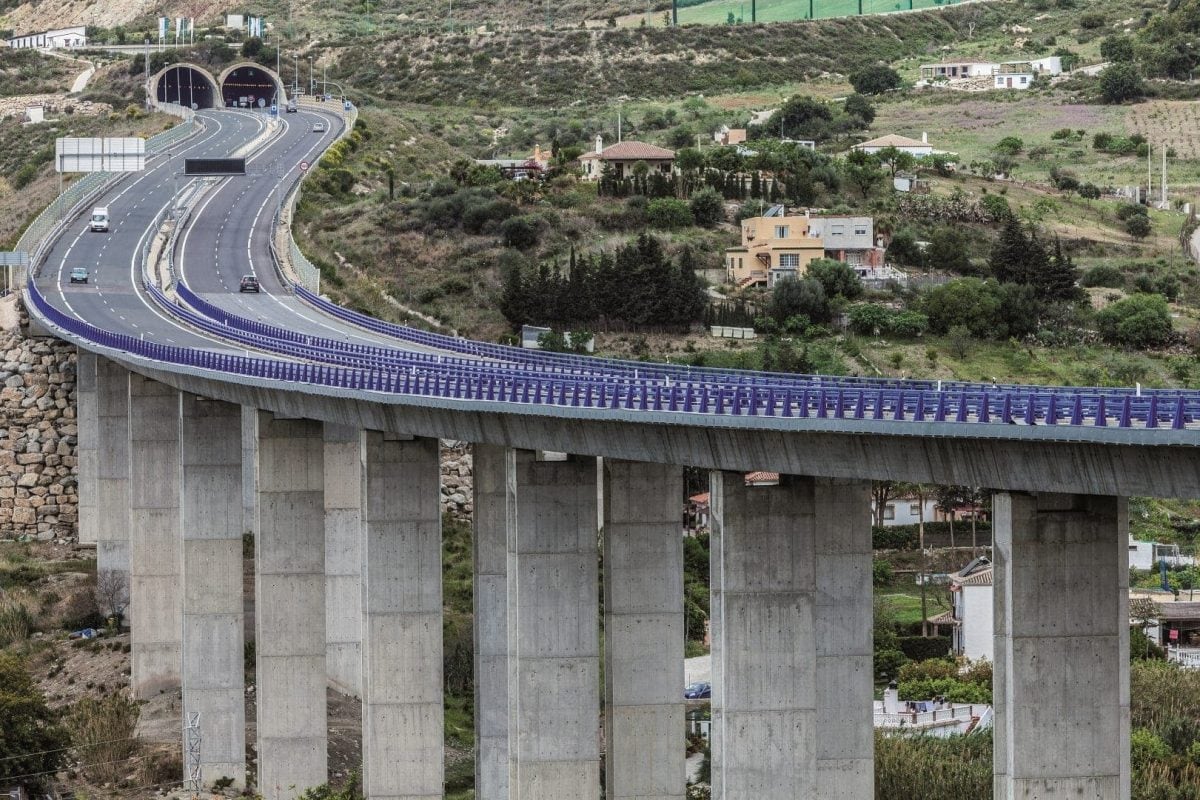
[100, 219]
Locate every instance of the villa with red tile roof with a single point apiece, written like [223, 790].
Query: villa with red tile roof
[621, 158]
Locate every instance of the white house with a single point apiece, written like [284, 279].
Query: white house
[904, 144]
[69, 38]
[957, 70]
[907, 511]
[1146, 555]
[970, 618]
[1020, 74]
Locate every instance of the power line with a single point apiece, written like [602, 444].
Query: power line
[71, 747]
[76, 767]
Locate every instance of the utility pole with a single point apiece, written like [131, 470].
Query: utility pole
[754, 10]
[674, 13]
[146, 57]
[1149, 171]
[1164, 178]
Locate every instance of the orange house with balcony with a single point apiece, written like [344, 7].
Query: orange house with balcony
[774, 247]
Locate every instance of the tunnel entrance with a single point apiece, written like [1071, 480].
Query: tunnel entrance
[250, 86]
[187, 86]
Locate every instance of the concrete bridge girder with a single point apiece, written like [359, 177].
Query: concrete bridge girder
[186, 84]
[248, 79]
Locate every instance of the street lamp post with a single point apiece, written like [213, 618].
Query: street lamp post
[310, 74]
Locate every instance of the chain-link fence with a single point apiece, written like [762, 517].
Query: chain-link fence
[725, 11]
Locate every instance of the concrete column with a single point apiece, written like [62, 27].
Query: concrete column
[402, 620]
[1061, 682]
[791, 610]
[154, 535]
[290, 607]
[88, 419]
[343, 557]
[213, 670]
[844, 627]
[250, 469]
[554, 674]
[495, 502]
[112, 471]
[644, 631]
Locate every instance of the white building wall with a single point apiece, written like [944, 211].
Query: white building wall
[905, 512]
[977, 622]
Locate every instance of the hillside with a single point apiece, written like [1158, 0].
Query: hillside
[315, 16]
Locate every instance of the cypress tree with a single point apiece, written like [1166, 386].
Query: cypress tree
[1010, 254]
[1058, 282]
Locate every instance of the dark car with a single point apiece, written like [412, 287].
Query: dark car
[249, 284]
[79, 275]
[698, 691]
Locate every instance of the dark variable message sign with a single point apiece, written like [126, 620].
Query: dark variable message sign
[214, 166]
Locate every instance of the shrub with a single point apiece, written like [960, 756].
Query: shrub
[881, 572]
[32, 740]
[707, 207]
[668, 213]
[1142, 320]
[922, 648]
[520, 232]
[836, 278]
[104, 729]
[1091, 21]
[1105, 275]
[1121, 83]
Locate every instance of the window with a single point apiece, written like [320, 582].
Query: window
[789, 260]
[739, 262]
[914, 509]
[781, 231]
[889, 511]
[1024, 79]
[860, 230]
[837, 230]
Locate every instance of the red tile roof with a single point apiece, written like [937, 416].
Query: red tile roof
[632, 151]
[762, 477]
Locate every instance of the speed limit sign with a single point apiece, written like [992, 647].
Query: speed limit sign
[304, 166]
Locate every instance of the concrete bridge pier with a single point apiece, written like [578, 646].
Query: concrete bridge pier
[1061, 682]
[554, 657]
[213, 666]
[495, 505]
[644, 631]
[290, 606]
[791, 623]
[402, 620]
[343, 557]
[112, 474]
[87, 418]
[154, 535]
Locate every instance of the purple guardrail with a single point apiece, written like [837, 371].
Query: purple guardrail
[1028, 407]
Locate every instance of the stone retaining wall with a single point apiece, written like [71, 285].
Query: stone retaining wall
[38, 435]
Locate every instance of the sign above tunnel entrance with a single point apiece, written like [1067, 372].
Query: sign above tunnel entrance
[214, 166]
[111, 154]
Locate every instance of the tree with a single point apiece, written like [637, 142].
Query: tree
[1009, 258]
[520, 232]
[802, 117]
[1117, 47]
[948, 250]
[112, 594]
[1121, 83]
[859, 108]
[1058, 283]
[875, 79]
[969, 302]
[1141, 320]
[31, 739]
[904, 250]
[896, 160]
[799, 298]
[252, 47]
[862, 170]
[1010, 145]
[836, 278]
[881, 493]
[707, 207]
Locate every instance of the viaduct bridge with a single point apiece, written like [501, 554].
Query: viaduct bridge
[205, 413]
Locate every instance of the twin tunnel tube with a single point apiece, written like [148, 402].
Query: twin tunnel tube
[243, 85]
